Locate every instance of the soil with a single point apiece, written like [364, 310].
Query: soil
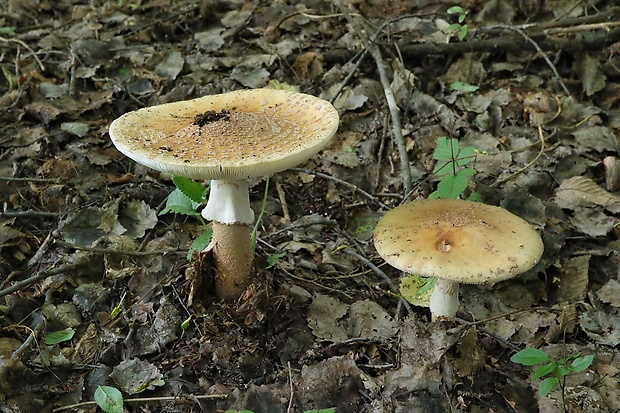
[96, 286]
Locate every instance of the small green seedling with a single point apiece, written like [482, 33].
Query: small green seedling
[452, 170]
[552, 372]
[460, 29]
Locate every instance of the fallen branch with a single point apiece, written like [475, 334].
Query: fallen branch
[503, 44]
[397, 130]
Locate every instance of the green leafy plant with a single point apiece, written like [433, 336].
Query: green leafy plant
[552, 372]
[109, 399]
[188, 196]
[452, 170]
[460, 29]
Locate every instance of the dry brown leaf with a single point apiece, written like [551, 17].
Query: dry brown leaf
[580, 191]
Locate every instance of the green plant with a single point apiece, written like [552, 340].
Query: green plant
[460, 29]
[187, 197]
[109, 399]
[552, 372]
[452, 170]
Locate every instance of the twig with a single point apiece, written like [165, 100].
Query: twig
[542, 150]
[36, 331]
[65, 244]
[405, 169]
[24, 45]
[148, 399]
[282, 196]
[345, 183]
[505, 44]
[541, 52]
[290, 380]
[384, 276]
[26, 179]
[43, 274]
[29, 214]
[42, 250]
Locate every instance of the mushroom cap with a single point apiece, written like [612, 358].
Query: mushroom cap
[235, 135]
[462, 241]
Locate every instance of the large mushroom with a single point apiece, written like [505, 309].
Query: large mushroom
[227, 139]
[457, 242]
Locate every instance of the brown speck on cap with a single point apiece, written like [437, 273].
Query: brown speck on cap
[235, 135]
[462, 241]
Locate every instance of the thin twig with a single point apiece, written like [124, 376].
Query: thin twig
[29, 214]
[38, 256]
[345, 183]
[383, 275]
[27, 179]
[148, 399]
[24, 45]
[282, 196]
[541, 52]
[374, 50]
[43, 274]
[65, 244]
[290, 380]
[542, 150]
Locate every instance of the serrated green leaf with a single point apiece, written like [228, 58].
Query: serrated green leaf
[544, 370]
[466, 155]
[446, 149]
[462, 86]
[475, 197]
[582, 363]
[200, 243]
[545, 386]
[109, 399]
[59, 336]
[190, 188]
[179, 203]
[450, 187]
[561, 370]
[530, 357]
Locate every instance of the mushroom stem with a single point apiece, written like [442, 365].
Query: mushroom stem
[444, 300]
[229, 210]
[232, 252]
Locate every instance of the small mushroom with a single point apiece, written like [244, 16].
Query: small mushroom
[457, 242]
[227, 139]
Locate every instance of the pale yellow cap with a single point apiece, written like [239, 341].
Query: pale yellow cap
[463, 241]
[235, 135]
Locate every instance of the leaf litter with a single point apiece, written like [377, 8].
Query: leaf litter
[320, 328]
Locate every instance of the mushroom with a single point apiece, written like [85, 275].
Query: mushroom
[456, 241]
[228, 138]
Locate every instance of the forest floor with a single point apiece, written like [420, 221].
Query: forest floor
[95, 285]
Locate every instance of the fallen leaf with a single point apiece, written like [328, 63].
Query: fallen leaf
[581, 191]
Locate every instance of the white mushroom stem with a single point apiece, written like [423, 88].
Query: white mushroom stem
[229, 210]
[444, 300]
